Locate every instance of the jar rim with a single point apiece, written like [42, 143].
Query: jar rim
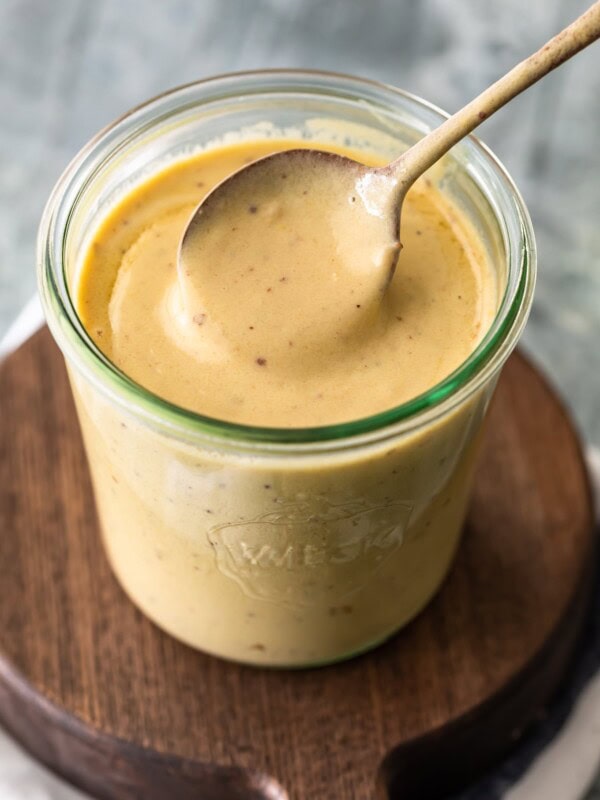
[471, 374]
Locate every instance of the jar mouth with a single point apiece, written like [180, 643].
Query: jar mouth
[494, 348]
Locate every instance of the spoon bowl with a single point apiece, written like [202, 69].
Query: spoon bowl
[325, 243]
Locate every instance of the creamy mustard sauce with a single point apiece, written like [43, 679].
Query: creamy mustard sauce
[279, 558]
[289, 337]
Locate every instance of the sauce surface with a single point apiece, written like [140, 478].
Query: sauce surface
[288, 338]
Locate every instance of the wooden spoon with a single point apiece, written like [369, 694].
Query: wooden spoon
[360, 205]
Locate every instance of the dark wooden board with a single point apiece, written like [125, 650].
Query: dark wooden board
[103, 697]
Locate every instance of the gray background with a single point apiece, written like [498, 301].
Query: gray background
[68, 67]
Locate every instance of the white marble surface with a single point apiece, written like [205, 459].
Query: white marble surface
[68, 67]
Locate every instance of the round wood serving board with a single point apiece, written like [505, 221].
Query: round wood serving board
[102, 696]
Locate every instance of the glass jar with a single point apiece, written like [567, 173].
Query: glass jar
[287, 547]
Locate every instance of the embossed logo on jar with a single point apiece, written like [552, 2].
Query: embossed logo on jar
[297, 556]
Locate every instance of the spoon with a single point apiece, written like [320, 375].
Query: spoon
[262, 209]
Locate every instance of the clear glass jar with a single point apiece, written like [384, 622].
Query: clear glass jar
[283, 547]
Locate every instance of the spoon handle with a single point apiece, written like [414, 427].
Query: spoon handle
[578, 35]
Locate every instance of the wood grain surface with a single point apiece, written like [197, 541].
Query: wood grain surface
[102, 696]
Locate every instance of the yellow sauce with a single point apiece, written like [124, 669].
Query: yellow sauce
[288, 338]
[267, 558]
